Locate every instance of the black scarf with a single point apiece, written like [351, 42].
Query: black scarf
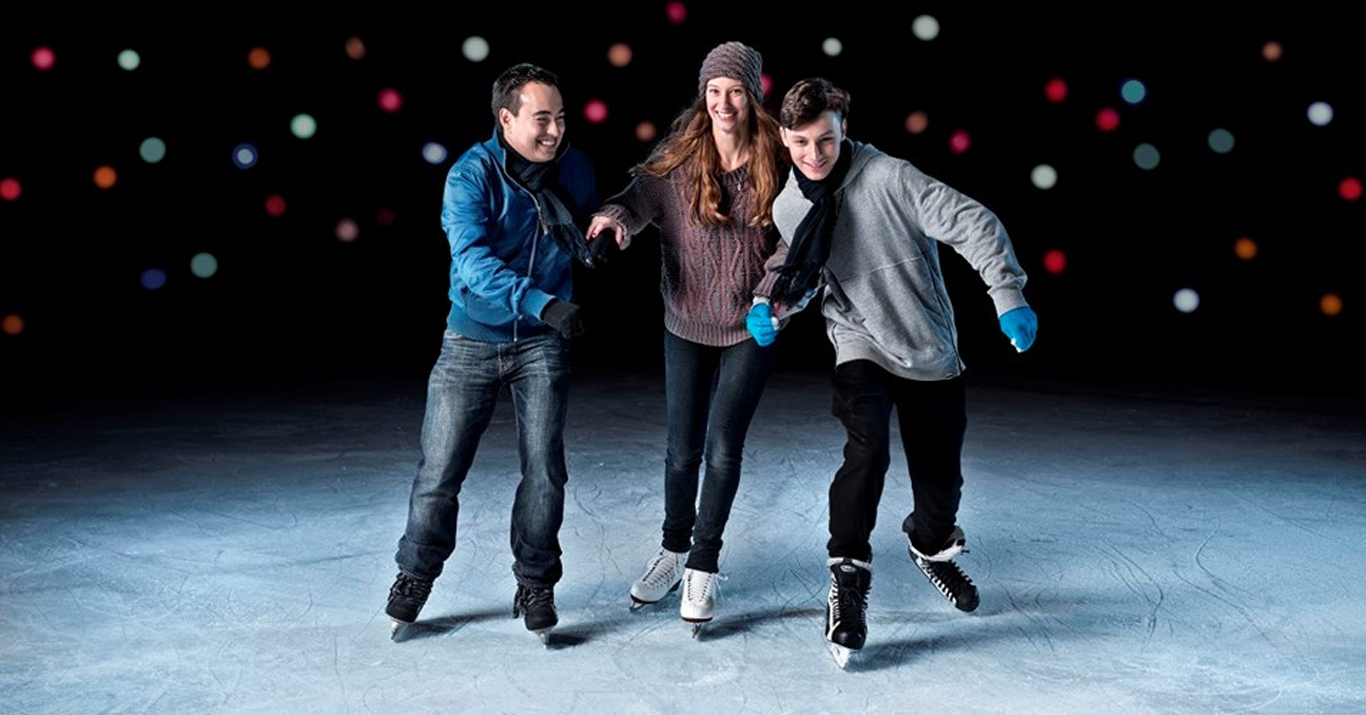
[543, 180]
[800, 276]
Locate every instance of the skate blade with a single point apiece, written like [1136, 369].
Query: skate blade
[544, 635]
[843, 655]
[396, 629]
[696, 626]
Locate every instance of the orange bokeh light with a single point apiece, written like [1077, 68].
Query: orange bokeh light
[258, 58]
[1245, 248]
[1330, 304]
[106, 177]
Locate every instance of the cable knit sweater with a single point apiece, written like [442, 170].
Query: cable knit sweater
[708, 274]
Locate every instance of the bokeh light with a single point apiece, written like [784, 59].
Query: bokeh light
[303, 126]
[1271, 51]
[43, 58]
[1055, 90]
[1350, 188]
[434, 153]
[355, 48]
[258, 58]
[347, 230]
[1320, 114]
[646, 131]
[619, 54]
[475, 48]
[390, 100]
[677, 12]
[1330, 304]
[203, 265]
[925, 27]
[1221, 141]
[917, 122]
[1044, 176]
[766, 84]
[1133, 91]
[275, 205]
[832, 47]
[244, 156]
[12, 324]
[152, 150]
[1186, 300]
[385, 217]
[959, 141]
[129, 60]
[153, 278]
[106, 177]
[1245, 248]
[1054, 261]
[10, 188]
[1146, 156]
[1107, 119]
[595, 111]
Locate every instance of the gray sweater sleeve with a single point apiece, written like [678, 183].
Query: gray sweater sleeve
[973, 231]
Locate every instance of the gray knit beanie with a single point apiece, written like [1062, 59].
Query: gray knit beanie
[736, 61]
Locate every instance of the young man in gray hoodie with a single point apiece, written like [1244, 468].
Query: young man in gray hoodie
[862, 232]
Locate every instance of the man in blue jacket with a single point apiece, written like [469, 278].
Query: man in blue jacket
[510, 211]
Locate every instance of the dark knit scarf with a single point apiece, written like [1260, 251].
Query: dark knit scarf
[543, 180]
[800, 276]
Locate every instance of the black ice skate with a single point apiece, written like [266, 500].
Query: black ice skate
[406, 598]
[536, 606]
[940, 569]
[846, 629]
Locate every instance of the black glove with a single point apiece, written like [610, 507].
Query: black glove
[563, 316]
[604, 248]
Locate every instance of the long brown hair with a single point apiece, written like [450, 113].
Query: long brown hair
[690, 138]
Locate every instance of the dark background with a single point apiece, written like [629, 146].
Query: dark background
[291, 301]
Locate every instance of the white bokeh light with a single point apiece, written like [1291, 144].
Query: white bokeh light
[475, 48]
[925, 27]
[1186, 300]
[434, 153]
[1044, 176]
[832, 47]
[1320, 114]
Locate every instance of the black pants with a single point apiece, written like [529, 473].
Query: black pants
[932, 419]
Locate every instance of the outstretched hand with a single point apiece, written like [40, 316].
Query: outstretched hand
[1020, 325]
[762, 324]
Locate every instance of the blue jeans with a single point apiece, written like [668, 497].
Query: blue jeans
[461, 395]
[712, 394]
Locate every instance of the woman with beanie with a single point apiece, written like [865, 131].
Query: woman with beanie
[708, 187]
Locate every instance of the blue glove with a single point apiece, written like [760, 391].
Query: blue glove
[762, 325]
[1020, 325]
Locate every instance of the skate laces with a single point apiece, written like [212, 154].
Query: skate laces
[700, 586]
[947, 577]
[662, 569]
[847, 604]
[531, 599]
[410, 587]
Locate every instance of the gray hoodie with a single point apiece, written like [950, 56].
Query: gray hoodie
[884, 297]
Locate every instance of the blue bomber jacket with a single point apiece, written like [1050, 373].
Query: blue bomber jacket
[505, 265]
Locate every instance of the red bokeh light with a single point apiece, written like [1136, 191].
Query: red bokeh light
[1054, 261]
[1107, 119]
[1350, 188]
[1055, 90]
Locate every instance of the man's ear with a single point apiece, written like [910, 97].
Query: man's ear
[782, 132]
[844, 127]
[504, 118]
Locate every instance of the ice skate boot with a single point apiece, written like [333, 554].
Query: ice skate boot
[662, 575]
[940, 569]
[406, 598]
[698, 605]
[846, 627]
[536, 606]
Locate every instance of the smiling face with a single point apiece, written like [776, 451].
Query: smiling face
[815, 146]
[537, 128]
[727, 104]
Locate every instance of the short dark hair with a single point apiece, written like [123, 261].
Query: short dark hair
[506, 89]
[809, 99]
